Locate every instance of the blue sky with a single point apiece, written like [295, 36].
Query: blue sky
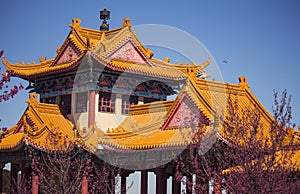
[260, 39]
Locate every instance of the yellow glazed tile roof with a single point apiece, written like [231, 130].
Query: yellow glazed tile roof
[142, 119]
[38, 122]
[155, 139]
[159, 71]
[44, 119]
[102, 45]
[11, 141]
[212, 97]
[29, 70]
[144, 129]
[141, 130]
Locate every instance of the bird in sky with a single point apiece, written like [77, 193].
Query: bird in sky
[224, 61]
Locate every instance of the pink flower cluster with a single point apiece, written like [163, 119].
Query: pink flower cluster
[7, 93]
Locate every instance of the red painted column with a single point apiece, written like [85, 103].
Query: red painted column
[217, 187]
[161, 181]
[84, 185]
[202, 186]
[1, 177]
[13, 177]
[35, 184]
[176, 186]
[92, 100]
[164, 182]
[123, 183]
[23, 169]
[111, 183]
[27, 173]
[144, 182]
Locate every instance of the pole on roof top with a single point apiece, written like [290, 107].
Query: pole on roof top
[104, 15]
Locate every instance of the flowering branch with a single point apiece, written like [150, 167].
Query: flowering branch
[257, 156]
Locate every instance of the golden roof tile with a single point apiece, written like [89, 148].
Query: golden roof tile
[101, 45]
[43, 120]
[27, 71]
[11, 141]
[154, 139]
[145, 127]
[38, 122]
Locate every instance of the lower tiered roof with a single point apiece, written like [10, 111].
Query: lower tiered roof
[157, 125]
[38, 122]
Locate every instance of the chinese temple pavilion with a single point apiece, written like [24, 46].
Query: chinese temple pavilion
[109, 87]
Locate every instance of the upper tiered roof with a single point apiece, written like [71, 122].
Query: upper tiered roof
[119, 49]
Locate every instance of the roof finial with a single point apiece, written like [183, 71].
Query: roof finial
[243, 82]
[167, 59]
[104, 15]
[126, 22]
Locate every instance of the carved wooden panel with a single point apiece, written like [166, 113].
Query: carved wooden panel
[70, 53]
[128, 53]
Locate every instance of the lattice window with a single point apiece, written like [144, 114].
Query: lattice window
[107, 102]
[127, 101]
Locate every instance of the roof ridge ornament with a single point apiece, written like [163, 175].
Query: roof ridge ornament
[43, 59]
[104, 15]
[33, 98]
[126, 23]
[243, 82]
[76, 22]
[167, 59]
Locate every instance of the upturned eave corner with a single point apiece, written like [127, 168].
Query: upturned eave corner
[6, 63]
